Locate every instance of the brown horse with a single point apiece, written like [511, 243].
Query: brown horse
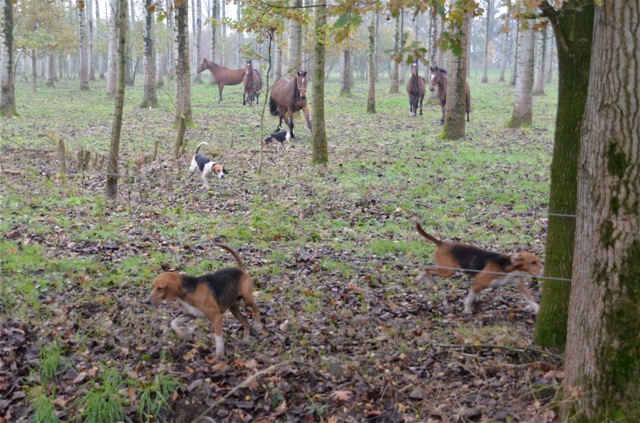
[416, 89]
[252, 85]
[439, 79]
[290, 96]
[224, 76]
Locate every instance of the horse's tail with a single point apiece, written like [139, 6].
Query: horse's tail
[273, 107]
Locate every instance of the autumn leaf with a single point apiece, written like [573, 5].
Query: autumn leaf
[341, 395]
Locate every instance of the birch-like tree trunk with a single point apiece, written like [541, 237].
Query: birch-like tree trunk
[101, 61]
[602, 367]
[506, 47]
[116, 127]
[434, 34]
[541, 44]
[516, 54]
[112, 74]
[320, 153]
[171, 47]
[487, 41]
[239, 40]
[150, 97]
[7, 77]
[395, 66]
[91, 29]
[455, 109]
[347, 73]
[51, 70]
[371, 95]
[198, 39]
[294, 59]
[277, 60]
[523, 104]
[83, 41]
[213, 52]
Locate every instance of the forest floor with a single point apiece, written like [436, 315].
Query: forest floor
[349, 335]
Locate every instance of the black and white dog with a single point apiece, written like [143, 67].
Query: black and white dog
[206, 166]
[280, 136]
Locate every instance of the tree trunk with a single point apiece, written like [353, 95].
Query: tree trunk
[371, 97]
[506, 48]
[454, 118]
[120, 13]
[485, 62]
[150, 98]
[198, 40]
[538, 85]
[320, 152]
[7, 77]
[171, 47]
[395, 66]
[130, 71]
[277, 61]
[82, 40]
[223, 32]
[295, 45]
[112, 74]
[215, 15]
[573, 37]
[90, 27]
[516, 54]
[159, 69]
[347, 74]
[101, 70]
[603, 344]
[34, 72]
[523, 104]
[51, 70]
[183, 75]
[403, 39]
[434, 34]
[239, 40]
[550, 55]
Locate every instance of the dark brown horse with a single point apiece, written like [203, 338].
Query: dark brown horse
[252, 85]
[225, 76]
[290, 96]
[439, 79]
[416, 89]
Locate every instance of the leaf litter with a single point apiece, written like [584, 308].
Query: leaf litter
[360, 341]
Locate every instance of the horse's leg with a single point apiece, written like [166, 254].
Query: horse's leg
[290, 123]
[421, 98]
[220, 87]
[442, 117]
[305, 111]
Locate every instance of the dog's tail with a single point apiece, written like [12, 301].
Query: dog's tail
[200, 145]
[426, 235]
[273, 107]
[234, 253]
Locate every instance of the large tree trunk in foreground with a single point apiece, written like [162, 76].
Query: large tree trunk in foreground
[538, 83]
[116, 127]
[603, 344]
[573, 35]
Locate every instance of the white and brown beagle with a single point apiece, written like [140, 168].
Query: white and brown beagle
[488, 269]
[209, 296]
[206, 166]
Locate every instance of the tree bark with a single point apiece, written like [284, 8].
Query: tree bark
[51, 70]
[538, 84]
[112, 74]
[485, 62]
[295, 45]
[454, 118]
[90, 27]
[320, 153]
[516, 54]
[371, 96]
[523, 104]
[347, 74]
[183, 75]
[506, 48]
[395, 66]
[82, 39]
[7, 76]
[215, 15]
[198, 39]
[573, 31]
[603, 344]
[116, 127]
[150, 97]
